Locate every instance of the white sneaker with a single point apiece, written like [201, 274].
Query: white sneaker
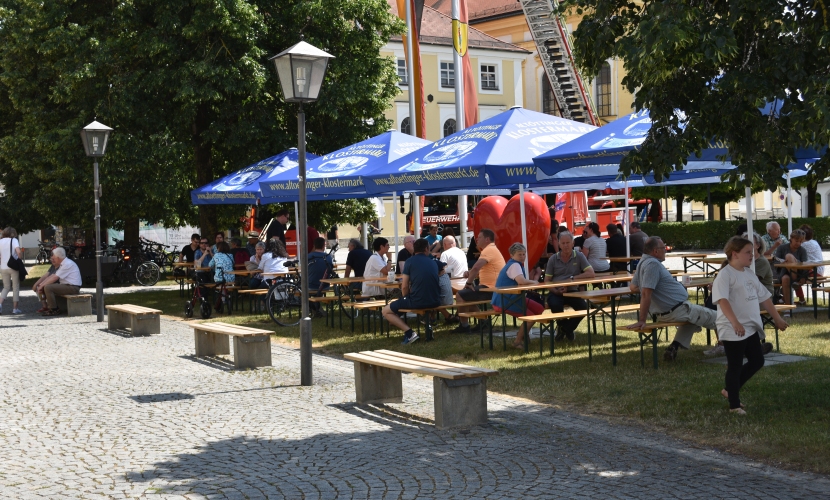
[17, 311]
[717, 350]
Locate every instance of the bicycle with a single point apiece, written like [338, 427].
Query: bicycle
[44, 250]
[284, 299]
[157, 252]
[197, 299]
[132, 267]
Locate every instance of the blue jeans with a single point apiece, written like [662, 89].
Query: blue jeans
[557, 304]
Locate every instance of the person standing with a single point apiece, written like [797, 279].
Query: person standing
[65, 281]
[278, 226]
[594, 248]
[420, 289]
[738, 293]
[10, 248]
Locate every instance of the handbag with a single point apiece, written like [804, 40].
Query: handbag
[16, 264]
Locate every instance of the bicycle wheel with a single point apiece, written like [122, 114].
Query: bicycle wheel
[284, 304]
[344, 299]
[147, 273]
[204, 309]
[188, 310]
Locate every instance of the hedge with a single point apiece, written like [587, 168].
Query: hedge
[712, 235]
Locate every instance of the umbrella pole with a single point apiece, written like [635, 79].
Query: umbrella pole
[626, 224]
[395, 220]
[524, 225]
[749, 222]
[416, 216]
[462, 220]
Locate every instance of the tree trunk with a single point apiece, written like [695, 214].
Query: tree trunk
[679, 199]
[654, 211]
[131, 232]
[722, 211]
[202, 154]
[812, 187]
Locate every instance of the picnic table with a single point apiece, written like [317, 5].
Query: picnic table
[598, 297]
[802, 266]
[691, 259]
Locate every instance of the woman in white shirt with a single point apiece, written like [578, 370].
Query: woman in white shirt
[274, 259]
[376, 267]
[738, 293]
[813, 248]
[9, 245]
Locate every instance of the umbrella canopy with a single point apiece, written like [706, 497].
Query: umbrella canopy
[496, 152]
[342, 172]
[243, 186]
[607, 145]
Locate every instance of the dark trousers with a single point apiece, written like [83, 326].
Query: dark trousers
[737, 373]
[557, 304]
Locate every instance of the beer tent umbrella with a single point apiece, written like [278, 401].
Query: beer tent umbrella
[242, 187]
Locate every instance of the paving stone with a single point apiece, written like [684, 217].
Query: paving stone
[89, 414]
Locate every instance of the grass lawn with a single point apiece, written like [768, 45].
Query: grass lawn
[788, 405]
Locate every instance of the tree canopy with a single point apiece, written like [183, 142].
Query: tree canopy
[188, 88]
[704, 68]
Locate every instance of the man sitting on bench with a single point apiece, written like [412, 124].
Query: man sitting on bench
[420, 289]
[65, 281]
[566, 265]
[662, 295]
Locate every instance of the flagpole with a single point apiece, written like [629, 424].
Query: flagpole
[410, 68]
[459, 120]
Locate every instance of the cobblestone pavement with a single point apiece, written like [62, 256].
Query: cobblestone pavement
[87, 413]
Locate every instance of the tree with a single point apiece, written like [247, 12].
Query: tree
[189, 90]
[704, 68]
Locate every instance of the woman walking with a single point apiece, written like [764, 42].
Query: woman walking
[737, 293]
[10, 246]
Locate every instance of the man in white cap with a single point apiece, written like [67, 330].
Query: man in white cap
[253, 238]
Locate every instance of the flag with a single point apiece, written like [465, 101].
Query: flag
[416, 80]
[470, 92]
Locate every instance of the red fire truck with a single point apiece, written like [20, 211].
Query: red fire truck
[442, 211]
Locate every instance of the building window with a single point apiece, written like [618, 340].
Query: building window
[405, 127]
[488, 77]
[549, 105]
[603, 87]
[449, 127]
[402, 77]
[448, 74]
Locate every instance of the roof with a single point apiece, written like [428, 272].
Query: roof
[480, 10]
[436, 29]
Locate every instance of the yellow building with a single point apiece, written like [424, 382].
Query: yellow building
[497, 67]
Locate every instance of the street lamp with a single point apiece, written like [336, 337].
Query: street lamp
[94, 137]
[301, 70]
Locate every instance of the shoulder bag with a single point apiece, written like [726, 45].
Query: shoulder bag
[15, 263]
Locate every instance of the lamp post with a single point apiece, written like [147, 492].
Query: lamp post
[94, 137]
[301, 70]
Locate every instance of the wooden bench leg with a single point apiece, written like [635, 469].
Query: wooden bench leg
[252, 352]
[461, 402]
[375, 384]
[644, 338]
[116, 320]
[145, 324]
[211, 344]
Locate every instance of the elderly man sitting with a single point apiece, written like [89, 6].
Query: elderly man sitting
[65, 281]
[773, 239]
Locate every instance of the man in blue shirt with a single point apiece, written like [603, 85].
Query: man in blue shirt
[202, 258]
[319, 267]
[420, 289]
[356, 261]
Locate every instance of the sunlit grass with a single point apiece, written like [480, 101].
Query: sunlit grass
[788, 405]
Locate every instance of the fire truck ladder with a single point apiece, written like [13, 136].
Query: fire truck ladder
[555, 52]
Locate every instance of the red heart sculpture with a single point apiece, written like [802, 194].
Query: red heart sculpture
[504, 218]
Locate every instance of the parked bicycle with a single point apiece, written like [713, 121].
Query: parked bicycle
[157, 252]
[44, 251]
[133, 267]
[284, 299]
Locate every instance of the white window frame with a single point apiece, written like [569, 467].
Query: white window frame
[445, 112]
[401, 113]
[613, 97]
[441, 88]
[499, 76]
[400, 60]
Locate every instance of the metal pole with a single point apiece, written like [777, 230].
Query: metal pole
[302, 234]
[416, 215]
[789, 206]
[462, 220]
[395, 221]
[626, 224]
[410, 60]
[749, 221]
[458, 68]
[99, 284]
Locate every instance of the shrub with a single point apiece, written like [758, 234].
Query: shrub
[709, 235]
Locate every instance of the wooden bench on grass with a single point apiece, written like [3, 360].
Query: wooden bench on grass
[767, 319]
[427, 312]
[546, 321]
[460, 390]
[251, 346]
[649, 332]
[138, 319]
[74, 305]
[254, 295]
[327, 301]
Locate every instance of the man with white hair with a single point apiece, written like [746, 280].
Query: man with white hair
[65, 281]
[456, 261]
[773, 239]
[406, 252]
